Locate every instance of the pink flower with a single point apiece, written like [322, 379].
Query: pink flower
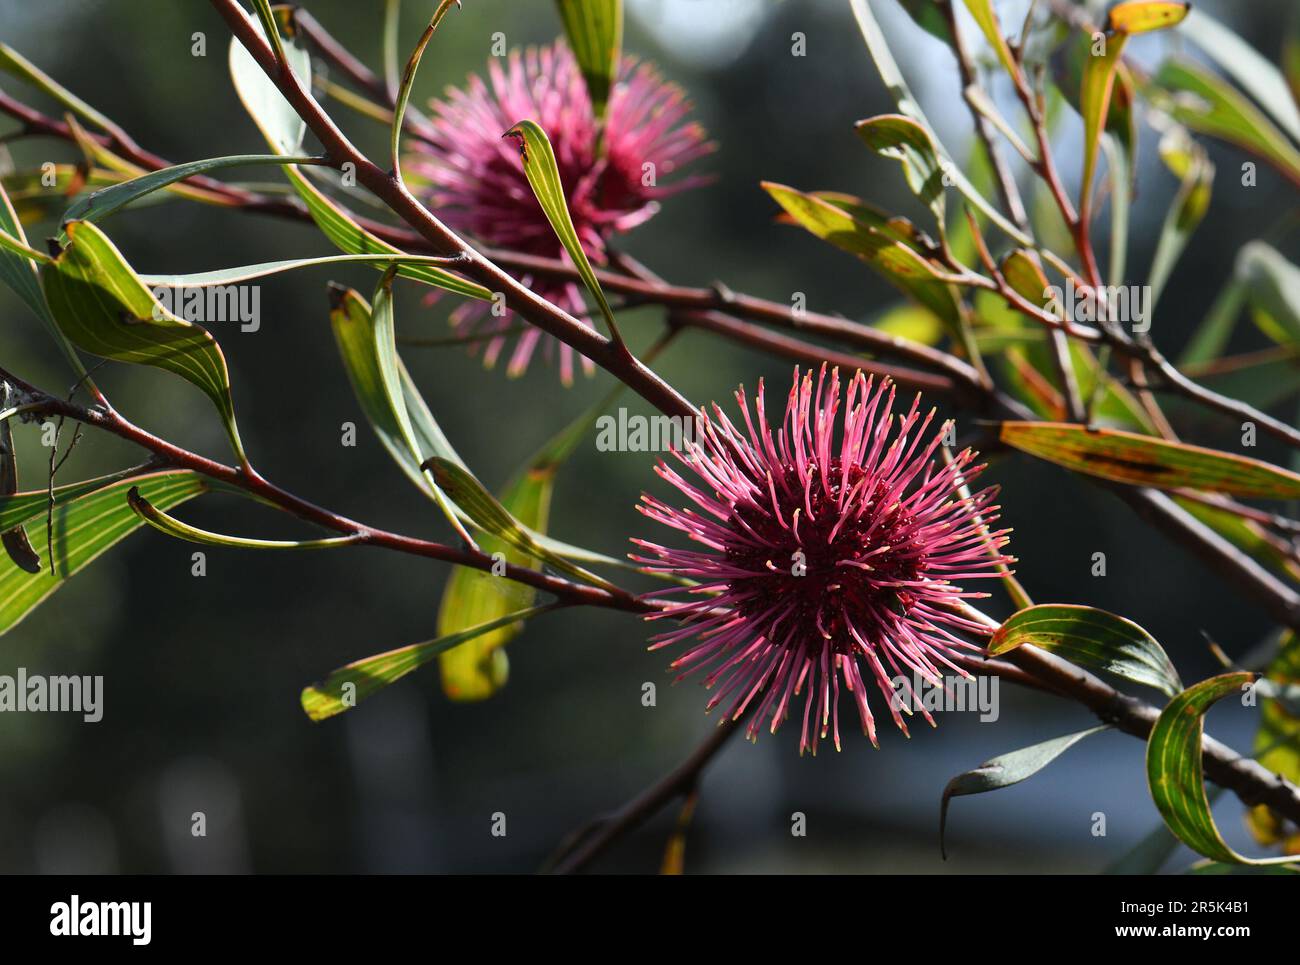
[822, 560]
[612, 176]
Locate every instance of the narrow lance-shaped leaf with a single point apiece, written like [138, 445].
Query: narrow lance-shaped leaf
[881, 243]
[1094, 104]
[488, 513]
[20, 273]
[284, 131]
[984, 15]
[908, 105]
[1277, 742]
[543, 175]
[903, 139]
[479, 668]
[1199, 99]
[1273, 286]
[83, 527]
[348, 685]
[408, 82]
[1188, 161]
[1091, 637]
[1175, 772]
[274, 116]
[595, 32]
[353, 239]
[230, 276]
[1006, 770]
[368, 350]
[102, 306]
[172, 526]
[98, 205]
[1145, 461]
[1244, 64]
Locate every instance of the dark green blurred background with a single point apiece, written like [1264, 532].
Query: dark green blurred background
[202, 676]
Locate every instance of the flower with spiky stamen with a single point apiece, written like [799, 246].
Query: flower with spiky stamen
[827, 554]
[611, 172]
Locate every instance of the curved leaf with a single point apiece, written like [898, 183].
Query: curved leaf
[1005, 770]
[104, 308]
[175, 528]
[1140, 16]
[1091, 637]
[350, 684]
[1175, 772]
[544, 177]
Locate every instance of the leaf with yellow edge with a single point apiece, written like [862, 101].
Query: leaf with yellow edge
[1140, 460]
[543, 174]
[104, 308]
[1140, 16]
[1175, 771]
[354, 682]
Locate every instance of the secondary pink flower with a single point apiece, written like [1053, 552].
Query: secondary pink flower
[612, 176]
[827, 554]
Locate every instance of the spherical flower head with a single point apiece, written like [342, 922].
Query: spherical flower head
[831, 551]
[613, 173]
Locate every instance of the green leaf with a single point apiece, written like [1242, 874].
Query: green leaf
[12, 62]
[1244, 64]
[487, 513]
[544, 177]
[25, 507]
[1204, 102]
[1093, 638]
[101, 305]
[231, 276]
[1186, 160]
[350, 684]
[1145, 461]
[352, 239]
[382, 386]
[408, 82]
[98, 205]
[175, 528]
[84, 526]
[1099, 72]
[478, 669]
[595, 32]
[274, 116]
[1273, 285]
[21, 274]
[982, 12]
[875, 240]
[907, 105]
[1246, 535]
[1175, 772]
[284, 130]
[899, 137]
[1212, 335]
[1006, 770]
